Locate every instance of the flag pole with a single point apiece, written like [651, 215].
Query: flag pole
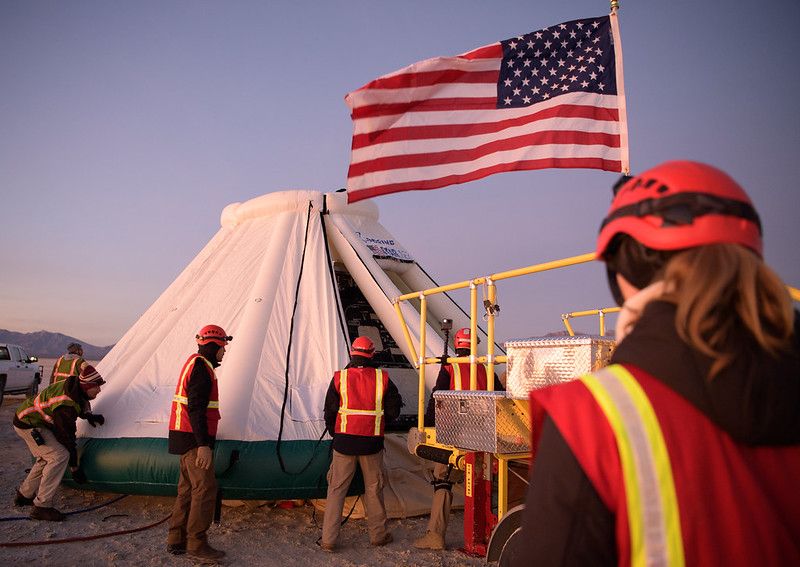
[623, 111]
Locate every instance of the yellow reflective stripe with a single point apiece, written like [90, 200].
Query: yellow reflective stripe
[343, 410]
[378, 400]
[457, 375]
[185, 401]
[653, 513]
[181, 380]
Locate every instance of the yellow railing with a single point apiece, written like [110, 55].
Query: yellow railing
[601, 312]
[491, 294]
[490, 359]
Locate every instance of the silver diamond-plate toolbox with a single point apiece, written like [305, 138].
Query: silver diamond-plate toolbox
[490, 422]
[541, 361]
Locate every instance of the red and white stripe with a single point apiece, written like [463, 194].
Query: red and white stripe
[435, 123]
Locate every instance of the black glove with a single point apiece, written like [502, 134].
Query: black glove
[79, 476]
[95, 419]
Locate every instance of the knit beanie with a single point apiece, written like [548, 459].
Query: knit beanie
[90, 377]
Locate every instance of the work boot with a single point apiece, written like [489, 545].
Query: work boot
[327, 547]
[47, 514]
[20, 500]
[430, 540]
[386, 539]
[176, 548]
[205, 553]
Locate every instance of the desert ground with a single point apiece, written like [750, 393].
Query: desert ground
[252, 533]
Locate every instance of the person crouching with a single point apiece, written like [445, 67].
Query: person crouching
[46, 422]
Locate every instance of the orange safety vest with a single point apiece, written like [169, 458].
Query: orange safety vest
[179, 414]
[67, 366]
[661, 466]
[459, 376]
[360, 401]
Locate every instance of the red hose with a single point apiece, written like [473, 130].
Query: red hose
[84, 538]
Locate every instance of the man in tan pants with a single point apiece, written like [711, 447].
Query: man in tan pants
[360, 399]
[46, 422]
[193, 422]
[451, 377]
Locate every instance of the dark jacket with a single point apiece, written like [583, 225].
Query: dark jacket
[198, 391]
[756, 400]
[443, 383]
[64, 419]
[360, 444]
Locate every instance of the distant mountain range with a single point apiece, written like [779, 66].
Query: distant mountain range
[44, 344]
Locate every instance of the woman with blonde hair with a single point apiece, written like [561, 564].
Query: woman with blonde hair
[686, 450]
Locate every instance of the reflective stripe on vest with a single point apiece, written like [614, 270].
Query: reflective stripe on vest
[457, 380]
[345, 410]
[183, 401]
[44, 404]
[60, 375]
[653, 514]
[40, 407]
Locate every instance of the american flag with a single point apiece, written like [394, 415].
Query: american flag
[552, 98]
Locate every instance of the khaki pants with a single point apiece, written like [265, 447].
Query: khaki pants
[194, 506]
[343, 467]
[47, 471]
[442, 499]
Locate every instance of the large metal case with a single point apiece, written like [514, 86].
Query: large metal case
[483, 421]
[541, 361]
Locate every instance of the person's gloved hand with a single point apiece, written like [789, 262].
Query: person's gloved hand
[95, 419]
[79, 476]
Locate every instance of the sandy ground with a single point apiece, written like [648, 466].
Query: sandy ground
[251, 533]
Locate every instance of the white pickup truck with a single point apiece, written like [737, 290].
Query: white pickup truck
[19, 373]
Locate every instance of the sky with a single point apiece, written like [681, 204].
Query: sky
[126, 127]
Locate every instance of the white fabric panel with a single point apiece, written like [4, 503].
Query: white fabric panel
[378, 289]
[244, 280]
[152, 352]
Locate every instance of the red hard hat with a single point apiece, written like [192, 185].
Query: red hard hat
[212, 334]
[681, 204]
[362, 346]
[462, 339]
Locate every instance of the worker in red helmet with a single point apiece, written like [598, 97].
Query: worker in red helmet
[192, 431]
[455, 376]
[360, 401]
[686, 450]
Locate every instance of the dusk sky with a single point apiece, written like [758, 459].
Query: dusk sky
[126, 127]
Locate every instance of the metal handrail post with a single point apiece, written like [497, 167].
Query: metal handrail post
[491, 292]
[473, 335]
[423, 312]
[406, 332]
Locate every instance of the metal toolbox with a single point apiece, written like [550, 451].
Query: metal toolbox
[489, 422]
[541, 361]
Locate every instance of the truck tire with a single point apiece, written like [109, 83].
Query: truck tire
[33, 389]
[2, 387]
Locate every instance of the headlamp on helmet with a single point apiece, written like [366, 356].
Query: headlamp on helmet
[212, 334]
